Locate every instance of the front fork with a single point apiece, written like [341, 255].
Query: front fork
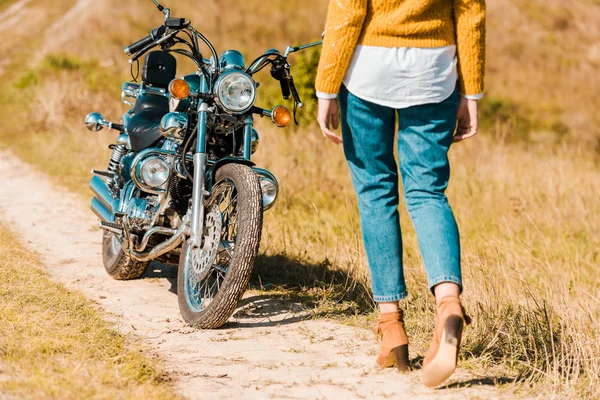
[200, 158]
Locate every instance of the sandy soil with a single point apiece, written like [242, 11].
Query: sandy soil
[267, 350]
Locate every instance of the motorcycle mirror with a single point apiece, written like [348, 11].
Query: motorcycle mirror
[95, 122]
[165, 11]
[291, 49]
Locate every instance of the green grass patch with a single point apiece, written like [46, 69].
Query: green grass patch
[55, 344]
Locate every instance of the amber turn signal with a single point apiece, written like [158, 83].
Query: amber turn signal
[179, 89]
[281, 116]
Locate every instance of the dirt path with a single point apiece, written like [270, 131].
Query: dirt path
[267, 351]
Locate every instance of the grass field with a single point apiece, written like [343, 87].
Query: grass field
[525, 192]
[55, 344]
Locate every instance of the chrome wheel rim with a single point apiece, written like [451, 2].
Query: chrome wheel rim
[203, 284]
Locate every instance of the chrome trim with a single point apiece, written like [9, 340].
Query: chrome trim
[264, 174]
[291, 49]
[247, 145]
[123, 139]
[95, 122]
[168, 154]
[152, 231]
[101, 211]
[127, 193]
[103, 194]
[198, 200]
[220, 81]
[131, 90]
[139, 170]
[174, 125]
[164, 247]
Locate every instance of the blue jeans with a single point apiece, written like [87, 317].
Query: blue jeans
[424, 138]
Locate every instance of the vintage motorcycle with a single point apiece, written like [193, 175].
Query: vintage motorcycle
[180, 187]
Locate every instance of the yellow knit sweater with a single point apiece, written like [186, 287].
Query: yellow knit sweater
[404, 23]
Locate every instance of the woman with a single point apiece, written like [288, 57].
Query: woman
[424, 61]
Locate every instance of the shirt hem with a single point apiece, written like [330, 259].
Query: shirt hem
[402, 105]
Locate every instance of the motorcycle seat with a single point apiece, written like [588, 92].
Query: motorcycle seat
[143, 128]
[151, 102]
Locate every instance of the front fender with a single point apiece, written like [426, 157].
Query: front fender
[212, 169]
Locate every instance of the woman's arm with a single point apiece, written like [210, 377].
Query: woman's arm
[344, 24]
[469, 16]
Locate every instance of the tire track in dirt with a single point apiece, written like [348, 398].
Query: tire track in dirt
[266, 349]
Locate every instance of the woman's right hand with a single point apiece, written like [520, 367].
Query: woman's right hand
[328, 119]
[467, 120]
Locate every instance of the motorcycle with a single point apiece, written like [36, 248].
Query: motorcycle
[180, 187]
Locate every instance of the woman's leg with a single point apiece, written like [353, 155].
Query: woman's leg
[424, 138]
[368, 133]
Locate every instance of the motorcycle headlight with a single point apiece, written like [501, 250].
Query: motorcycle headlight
[270, 190]
[236, 92]
[154, 172]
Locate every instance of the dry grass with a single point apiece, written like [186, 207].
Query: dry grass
[55, 344]
[525, 192]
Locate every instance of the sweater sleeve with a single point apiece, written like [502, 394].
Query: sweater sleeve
[345, 20]
[470, 17]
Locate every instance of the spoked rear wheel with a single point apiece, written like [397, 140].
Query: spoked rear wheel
[212, 279]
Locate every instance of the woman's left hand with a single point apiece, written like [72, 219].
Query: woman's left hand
[328, 119]
[468, 120]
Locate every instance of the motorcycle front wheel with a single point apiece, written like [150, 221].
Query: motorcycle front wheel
[213, 278]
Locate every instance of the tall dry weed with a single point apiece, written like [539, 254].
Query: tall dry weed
[527, 208]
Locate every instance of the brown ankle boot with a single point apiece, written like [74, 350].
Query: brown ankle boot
[394, 342]
[440, 361]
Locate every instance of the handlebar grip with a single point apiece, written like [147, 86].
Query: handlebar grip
[285, 88]
[147, 41]
[137, 46]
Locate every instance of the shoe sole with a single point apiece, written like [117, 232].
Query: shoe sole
[444, 362]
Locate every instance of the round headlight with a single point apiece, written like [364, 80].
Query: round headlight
[269, 192]
[154, 172]
[236, 92]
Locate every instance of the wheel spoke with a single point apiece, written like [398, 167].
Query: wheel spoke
[225, 198]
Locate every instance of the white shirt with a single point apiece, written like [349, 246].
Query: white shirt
[402, 77]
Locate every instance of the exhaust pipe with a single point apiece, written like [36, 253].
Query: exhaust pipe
[165, 247]
[101, 211]
[103, 194]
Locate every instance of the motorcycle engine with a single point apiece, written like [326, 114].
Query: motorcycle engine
[140, 213]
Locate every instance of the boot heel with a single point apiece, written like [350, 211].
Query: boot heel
[454, 326]
[401, 357]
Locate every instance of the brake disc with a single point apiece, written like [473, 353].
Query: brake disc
[203, 257]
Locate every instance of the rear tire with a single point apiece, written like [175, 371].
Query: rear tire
[233, 276]
[118, 264]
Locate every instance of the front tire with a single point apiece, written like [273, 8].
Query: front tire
[208, 301]
[117, 263]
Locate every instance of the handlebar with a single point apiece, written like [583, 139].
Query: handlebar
[155, 35]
